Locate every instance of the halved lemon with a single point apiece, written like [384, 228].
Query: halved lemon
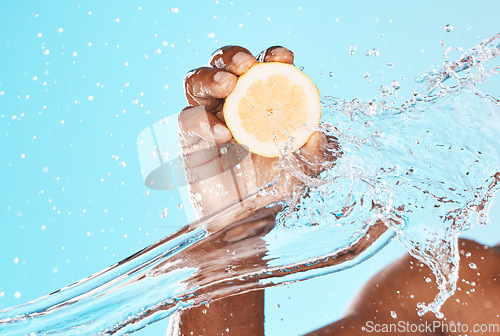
[273, 109]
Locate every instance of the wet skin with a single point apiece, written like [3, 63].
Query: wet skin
[202, 134]
[401, 285]
[202, 127]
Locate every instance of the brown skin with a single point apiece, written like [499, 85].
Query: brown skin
[202, 134]
[203, 128]
[242, 314]
[398, 287]
[402, 284]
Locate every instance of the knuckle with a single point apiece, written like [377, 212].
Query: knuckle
[222, 57]
[218, 53]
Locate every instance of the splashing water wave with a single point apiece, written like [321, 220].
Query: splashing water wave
[420, 172]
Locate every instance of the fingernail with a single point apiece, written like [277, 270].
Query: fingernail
[243, 59]
[277, 51]
[280, 54]
[221, 133]
[221, 76]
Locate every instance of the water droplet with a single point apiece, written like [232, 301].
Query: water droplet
[472, 265]
[375, 52]
[428, 279]
[164, 213]
[17, 295]
[393, 314]
[384, 89]
[395, 85]
[366, 75]
[331, 74]
[179, 206]
[368, 52]
[441, 42]
[352, 49]
[448, 28]
[389, 64]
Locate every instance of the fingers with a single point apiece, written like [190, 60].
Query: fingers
[212, 159]
[207, 86]
[234, 59]
[276, 54]
[206, 147]
[199, 134]
[196, 124]
[314, 149]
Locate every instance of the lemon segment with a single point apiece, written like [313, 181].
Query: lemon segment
[273, 109]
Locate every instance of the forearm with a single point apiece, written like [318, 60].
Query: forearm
[241, 314]
[238, 315]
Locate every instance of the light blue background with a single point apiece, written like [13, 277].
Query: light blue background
[72, 199]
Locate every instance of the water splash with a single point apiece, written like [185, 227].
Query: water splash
[419, 171]
[422, 170]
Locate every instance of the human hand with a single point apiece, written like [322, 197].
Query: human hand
[220, 171]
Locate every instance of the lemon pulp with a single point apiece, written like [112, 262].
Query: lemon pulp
[273, 109]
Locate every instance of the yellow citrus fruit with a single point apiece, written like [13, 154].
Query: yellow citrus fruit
[273, 109]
